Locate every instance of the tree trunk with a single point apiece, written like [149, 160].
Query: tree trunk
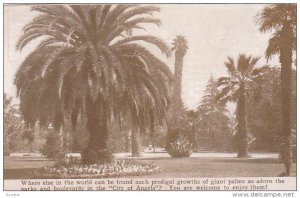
[66, 140]
[286, 50]
[127, 141]
[177, 103]
[243, 144]
[135, 140]
[97, 127]
[6, 143]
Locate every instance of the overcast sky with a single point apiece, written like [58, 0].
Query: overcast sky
[213, 31]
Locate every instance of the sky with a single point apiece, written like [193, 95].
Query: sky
[213, 31]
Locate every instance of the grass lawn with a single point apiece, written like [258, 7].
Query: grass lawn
[220, 167]
[22, 167]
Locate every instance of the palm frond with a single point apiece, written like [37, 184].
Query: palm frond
[145, 10]
[101, 16]
[130, 25]
[231, 68]
[148, 39]
[113, 15]
[273, 46]
[243, 63]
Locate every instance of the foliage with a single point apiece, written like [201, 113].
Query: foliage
[93, 57]
[75, 139]
[52, 147]
[281, 21]
[180, 45]
[182, 132]
[28, 136]
[265, 107]
[89, 62]
[13, 127]
[212, 123]
[157, 138]
[181, 147]
[272, 19]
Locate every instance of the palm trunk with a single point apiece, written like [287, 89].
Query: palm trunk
[65, 140]
[61, 143]
[243, 144]
[60, 138]
[177, 103]
[127, 141]
[286, 95]
[97, 126]
[136, 145]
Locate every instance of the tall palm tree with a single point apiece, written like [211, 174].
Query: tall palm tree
[180, 47]
[281, 20]
[235, 88]
[90, 62]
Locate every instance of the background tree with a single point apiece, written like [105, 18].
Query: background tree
[7, 122]
[28, 137]
[212, 121]
[52, 148]
[264, 108]
[263, 111]
[90, 62]
[281, 20]
[13, 127]
[235, 88]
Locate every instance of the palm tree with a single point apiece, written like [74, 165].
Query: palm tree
[281, 20]
[235, 88]
[180, 47]
[89, 62]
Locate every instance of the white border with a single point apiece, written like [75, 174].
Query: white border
[118, 194]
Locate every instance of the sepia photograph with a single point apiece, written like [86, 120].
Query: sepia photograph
[149, 97]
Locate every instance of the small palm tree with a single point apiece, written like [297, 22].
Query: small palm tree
[235, 88]
[89, 62]
[281, 20]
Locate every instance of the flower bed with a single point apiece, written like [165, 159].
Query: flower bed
[118, 168]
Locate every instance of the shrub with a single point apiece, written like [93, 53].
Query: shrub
[52, 148]
[181, 147]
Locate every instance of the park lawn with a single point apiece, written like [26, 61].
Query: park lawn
[22, 168]
[220, 167]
